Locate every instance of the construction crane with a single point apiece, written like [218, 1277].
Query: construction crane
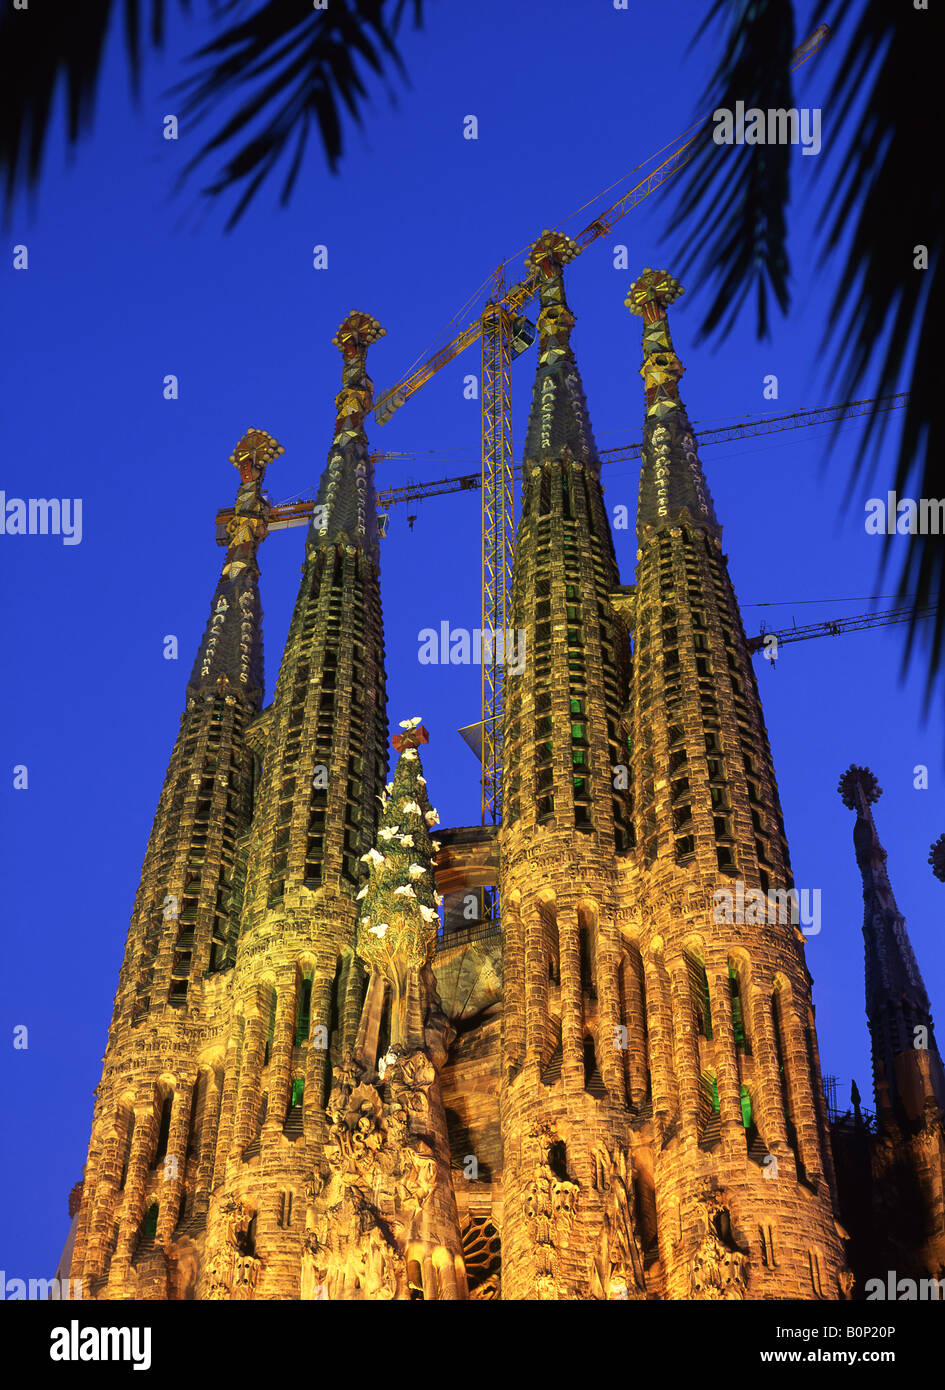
[503, 333]
[295, 512]
[771, 424]
[771, 642]
[298, 510]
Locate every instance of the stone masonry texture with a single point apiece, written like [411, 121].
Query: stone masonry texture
[312, 1089]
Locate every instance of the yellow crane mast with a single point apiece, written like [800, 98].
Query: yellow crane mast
[503, 332]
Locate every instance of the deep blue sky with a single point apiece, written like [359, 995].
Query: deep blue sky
[127, 284]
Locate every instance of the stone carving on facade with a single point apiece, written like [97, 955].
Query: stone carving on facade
[231, 1270]
[351, 1252]
[410, 1079]
[382, 1170]
[488, 1291]
[617, 1272]
[717, 1269]
[377, 1265]
[546, 1289]
[356, 1136]
[345, 1077]
[549, 1205]
[419, 1175]
[315, 1258]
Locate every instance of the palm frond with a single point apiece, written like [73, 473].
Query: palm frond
[886, 319]
[291, 69]
[280, 41]
[737, 195]
[61, 41]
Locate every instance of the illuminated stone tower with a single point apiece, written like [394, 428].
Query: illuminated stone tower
[211, 1116]
[565, 1118]
[906, 1189]
[311, 1091]
[743, 1173]
[322, 744]
[663, 1117]
[147, 1169]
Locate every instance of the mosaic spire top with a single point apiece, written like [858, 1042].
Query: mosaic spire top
[231, 652]
[673, 489]
[346, 504]
[558, 421]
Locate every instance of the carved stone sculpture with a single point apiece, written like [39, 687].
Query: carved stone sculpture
[718, 1270]
[618, 1268]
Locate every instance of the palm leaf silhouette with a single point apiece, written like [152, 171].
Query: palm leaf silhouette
[886, 317]
[735, 205]
[293, 73]
[885, 311]
[64, 43]
[297, 66]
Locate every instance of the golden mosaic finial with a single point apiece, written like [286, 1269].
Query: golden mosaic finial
[246, 528]
[356, 333]
[653, 290]
[255, 451]
[550, 253]
[649, 297]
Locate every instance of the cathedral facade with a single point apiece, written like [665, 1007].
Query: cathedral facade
[316, 1087]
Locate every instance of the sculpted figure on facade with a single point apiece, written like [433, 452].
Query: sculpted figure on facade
[618, 1267]
[549, 1204]
[383, 1169]
[232, 1268]
[718, 1270]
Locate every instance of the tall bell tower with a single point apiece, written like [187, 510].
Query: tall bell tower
[322, 749]
[906, 1191]
[563, 1111]
[743, 1173]
[150, 1164]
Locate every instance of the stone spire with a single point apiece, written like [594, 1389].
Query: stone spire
[742, 1080]
[558, 423]
[322, 745]
[231, 652]
[384, 1225]
[673, 490]
[156, 1084]
[906, 1060]
[398, 924]
[563, 579]
[562, 1100]
[346, 505]
[327, 719]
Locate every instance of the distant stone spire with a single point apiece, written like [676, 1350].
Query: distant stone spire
[558, 420]
[231, 652]
[346, 504]
[673, 489]
[897, 1005]
[937, 858]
